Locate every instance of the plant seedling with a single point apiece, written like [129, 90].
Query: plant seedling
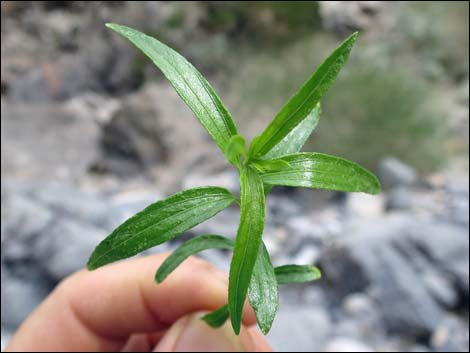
[273, 158]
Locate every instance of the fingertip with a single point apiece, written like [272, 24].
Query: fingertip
[260, 343]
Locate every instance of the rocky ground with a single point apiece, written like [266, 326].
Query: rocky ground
[85, 145]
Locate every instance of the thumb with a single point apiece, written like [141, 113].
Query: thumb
[191, 334]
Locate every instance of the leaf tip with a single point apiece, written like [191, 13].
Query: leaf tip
[375, 188]
[265, 330]
[317, 273]
[236, 330]
[159, 277]
[90, 266]
[236, 323]
[110, 25]
[350, 41]
[353, 37]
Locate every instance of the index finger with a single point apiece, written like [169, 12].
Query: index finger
[98, 310]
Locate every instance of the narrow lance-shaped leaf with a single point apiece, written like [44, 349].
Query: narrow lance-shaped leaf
[318, 170]
[191, 86]
[296, 274]
[191, 247]
[302, 103]
[160, 222]
[263, 292]
[247, 242]
[218, 317]
[294, 140]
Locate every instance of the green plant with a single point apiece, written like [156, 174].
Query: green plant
[272, 159]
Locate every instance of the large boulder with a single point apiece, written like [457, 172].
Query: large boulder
[20, 296]
[392, 259]
[22, 219]
[45, 141]
[66, 247]
[154, 132]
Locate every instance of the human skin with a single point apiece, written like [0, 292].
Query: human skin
[119, 307]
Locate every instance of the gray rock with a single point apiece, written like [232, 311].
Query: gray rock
[19, 297]
[353, 15]
[359, 305]
[451, 335]
[364, 206]
[441, 289]
[66, 247]
[144, 136]
[446, 247]
[369, 259]
[87, 207]
[280, 208]
[124, 204]
[409, 310]
[23, 219]
[303, 227]
[90, 105]
[344, 344]
[458, 210]
[46, 142]
[299, 329]
[97, 67]
[312, 295]
[392, 172]
[308, 255]
[399, 198]
[132, 140]
[347, 327]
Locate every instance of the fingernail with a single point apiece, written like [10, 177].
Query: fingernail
[194, 335]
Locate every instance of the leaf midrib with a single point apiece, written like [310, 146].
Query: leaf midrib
[193, 92]
[296, 171]
[125, 241]
[237, 296]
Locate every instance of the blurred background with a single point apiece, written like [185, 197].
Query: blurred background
[91, 133]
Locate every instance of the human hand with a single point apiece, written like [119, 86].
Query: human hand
[120, 308]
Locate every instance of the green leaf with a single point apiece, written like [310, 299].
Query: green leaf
[263, 292]
[247, 242]
[190, 85]
[160, 222]
[302, 103]
[217, 318]
[318, 170]
[267, 189]
[294, 141]
[235, 149]
[191, 247]
[296, 274]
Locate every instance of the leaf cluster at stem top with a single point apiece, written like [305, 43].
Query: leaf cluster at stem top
[273, 158]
